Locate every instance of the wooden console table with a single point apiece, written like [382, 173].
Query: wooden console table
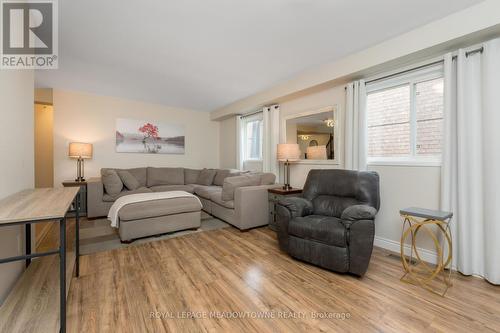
[25, 208]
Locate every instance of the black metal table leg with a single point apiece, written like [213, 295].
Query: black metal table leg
[77, 233]
[27, 232]
[62, 274]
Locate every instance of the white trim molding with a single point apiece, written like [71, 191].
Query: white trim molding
[394, 246]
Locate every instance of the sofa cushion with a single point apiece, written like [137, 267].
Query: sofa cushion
[141, 174]
[111, 181]
[207, 191]
[217, 198]
[156, 208]
[232, 183]
[324, 229]
[110, 198]
[267, 178]
[130, 182]
[330, 205]
[191, 176]
[165, 176]
[220, 176]
[206, 177]
[166, 188]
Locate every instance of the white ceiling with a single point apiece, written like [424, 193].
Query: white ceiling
[203, 54]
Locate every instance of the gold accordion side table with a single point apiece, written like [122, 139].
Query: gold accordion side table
[417, 271]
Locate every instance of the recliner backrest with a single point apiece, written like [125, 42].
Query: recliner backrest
[332, 191]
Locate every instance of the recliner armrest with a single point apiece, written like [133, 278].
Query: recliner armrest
[297, 206]
[358, 212]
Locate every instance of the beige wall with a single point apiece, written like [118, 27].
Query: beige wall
[16, 167]
[228, 143]
[44, 146]
[91, 118]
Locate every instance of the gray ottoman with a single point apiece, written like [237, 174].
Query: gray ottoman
[160, 216]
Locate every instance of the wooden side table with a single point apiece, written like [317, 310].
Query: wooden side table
[275, 194]
[417, 271]
[82, 194]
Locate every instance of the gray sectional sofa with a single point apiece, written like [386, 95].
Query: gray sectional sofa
[236, 197]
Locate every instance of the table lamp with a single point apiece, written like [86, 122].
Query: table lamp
[316, 153]
[288, 152]
[80, 151]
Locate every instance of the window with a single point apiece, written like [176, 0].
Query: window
[252, 138]
[405, 118]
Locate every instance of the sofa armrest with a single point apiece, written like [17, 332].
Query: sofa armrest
[361, 234]
[251, 205]
[359, 220]
[358, 212]
[286, 210]
[95, 193]
[297, 206]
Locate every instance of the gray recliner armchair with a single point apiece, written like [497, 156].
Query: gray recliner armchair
[332, 224]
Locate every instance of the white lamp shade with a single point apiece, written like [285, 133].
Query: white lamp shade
[288, 152]
[316, 153]
[80, 150]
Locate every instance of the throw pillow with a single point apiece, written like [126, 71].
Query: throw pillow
[206, 177]
[141, 174]
[220, 176]
[128, 180]
[232, 183]
[111, 181]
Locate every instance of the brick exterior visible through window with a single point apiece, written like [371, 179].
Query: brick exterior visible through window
[429, 108]
[390, 121]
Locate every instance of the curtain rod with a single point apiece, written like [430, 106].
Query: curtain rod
[468, 53]
[251, 114]
[406, 71]
[259, 111]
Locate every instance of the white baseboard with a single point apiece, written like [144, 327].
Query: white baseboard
[394, 246]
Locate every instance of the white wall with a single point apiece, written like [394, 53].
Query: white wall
[402, 187]
[91, 118]
[17, 160]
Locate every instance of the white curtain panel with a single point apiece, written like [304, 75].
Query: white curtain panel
[271, 119]
[470, 179]
[239, 143]
[355, 126]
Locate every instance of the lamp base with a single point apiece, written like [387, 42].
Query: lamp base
[80, 179]
[287, 187]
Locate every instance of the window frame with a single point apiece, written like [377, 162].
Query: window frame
[411, 79]
[256, 117]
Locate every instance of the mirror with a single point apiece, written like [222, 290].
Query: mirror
[315, 132]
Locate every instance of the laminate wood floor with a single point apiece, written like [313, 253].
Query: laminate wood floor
[218, 275]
